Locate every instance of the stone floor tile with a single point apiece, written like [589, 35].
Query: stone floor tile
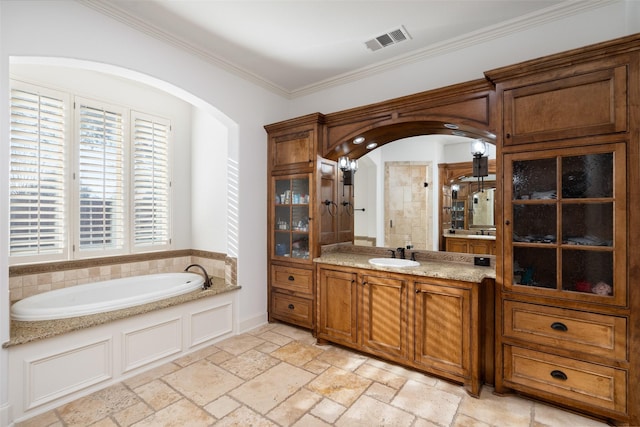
[297, 353]
[549, 416]
[289, 411]
[328, 410]
[424, 423]
[427, 402]
[219, 357]
[383, 376]
[381, 392]
[275, 338]
[316, 366]
[105, 422]
[310, 421]
[339, 385]
[249, 364]
[151, 375]
[219, 408]
[239, 344]
[196, 355]
[202, 381]
[343, 359]
[157, 394]
[298, 334]
[132, 414]
[244, 417]
[261, 329]
[272, 387]
[497, 410]
[406, 373]
[94, 407]
[367, 411]
[180, 413]
[267, 347]
[463, 420]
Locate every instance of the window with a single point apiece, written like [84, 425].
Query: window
[38, 185]
[150, 180]
[120, 197]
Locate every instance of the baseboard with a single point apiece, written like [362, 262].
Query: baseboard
[252, 323]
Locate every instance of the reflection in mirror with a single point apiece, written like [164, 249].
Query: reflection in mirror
[396, 191]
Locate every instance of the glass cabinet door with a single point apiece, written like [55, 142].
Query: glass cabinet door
[291, 228]
[565, 222]
[458, 214]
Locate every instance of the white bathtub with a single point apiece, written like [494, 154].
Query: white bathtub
[101, 297]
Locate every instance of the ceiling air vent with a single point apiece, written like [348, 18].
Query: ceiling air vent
[387, 39]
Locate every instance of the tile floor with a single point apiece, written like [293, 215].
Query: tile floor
[277, 376]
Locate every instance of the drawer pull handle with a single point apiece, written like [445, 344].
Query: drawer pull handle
[291, 278]
[557, 326]
[559, 375]
[291, 306]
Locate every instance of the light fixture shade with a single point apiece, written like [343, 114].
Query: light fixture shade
[478, 148]
[353, 165]
[343, 163]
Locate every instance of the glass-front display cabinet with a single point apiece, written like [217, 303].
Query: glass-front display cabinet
[291, 228]
[458, 214]
[565, 216]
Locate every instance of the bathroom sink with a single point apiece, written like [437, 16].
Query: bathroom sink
[393, 262]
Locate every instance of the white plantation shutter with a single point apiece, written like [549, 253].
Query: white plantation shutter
[101, 175]
[151, 182]
[37, 173]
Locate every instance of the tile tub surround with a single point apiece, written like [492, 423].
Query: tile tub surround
[276, 376]
[33, 279]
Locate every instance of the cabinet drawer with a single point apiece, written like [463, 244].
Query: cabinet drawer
[293, 309]
[293, 279]
[589, 383]
[574, 330]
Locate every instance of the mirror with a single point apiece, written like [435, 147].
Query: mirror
[396, 191]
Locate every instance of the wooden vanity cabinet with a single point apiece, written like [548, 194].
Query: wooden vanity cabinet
[567, 309]
[432, 325]
[470, 245]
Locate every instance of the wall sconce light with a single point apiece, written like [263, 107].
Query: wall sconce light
[454, 191]
[348, 168]
[480, 161]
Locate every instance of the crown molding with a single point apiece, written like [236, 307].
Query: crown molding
[541, 17]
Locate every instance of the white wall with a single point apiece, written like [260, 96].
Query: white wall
[208, 183]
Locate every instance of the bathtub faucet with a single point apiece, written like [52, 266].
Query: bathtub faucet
[207, 279]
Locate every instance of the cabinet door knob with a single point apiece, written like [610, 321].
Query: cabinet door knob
[417, 291]
[291, 306]
[291, 278]
[559, 375]
[507, 222]
[508, 135]
[557, 326]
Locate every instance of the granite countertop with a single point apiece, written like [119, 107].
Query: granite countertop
[23, 332]
[469, 236]
[438, 268]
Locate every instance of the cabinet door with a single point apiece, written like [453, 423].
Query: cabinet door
[290, 218]
[565, 223]
[293, 150]
[384, 314]
[443, 328]
[337, 305]
[457, 245]
[592, 103]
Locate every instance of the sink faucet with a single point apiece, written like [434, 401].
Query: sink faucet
[393, 253]
[400, 252]
[207, 279]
